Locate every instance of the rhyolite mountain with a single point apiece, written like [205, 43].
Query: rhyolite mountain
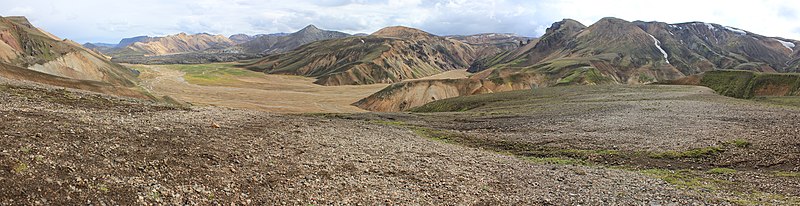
[641, 52]
[181, 43]
[279, 43]
[611, 51]
[490, 44]
[389, 55]
[171, 44]
[241, 38]
[31, 54]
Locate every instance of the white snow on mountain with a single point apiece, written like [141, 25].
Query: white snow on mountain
[658, 45]
[789, 45]
[735, 30]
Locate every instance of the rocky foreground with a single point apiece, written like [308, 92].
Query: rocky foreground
[64, 147]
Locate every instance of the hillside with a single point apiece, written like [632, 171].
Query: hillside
[279, 43]
[641, 52]
[181, 43]
[490, 44]
[745, 84]
[389, 55]
[615, 51]
[241, 38]
[28, 53]
[166, 45]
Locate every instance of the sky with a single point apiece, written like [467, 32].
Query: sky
[111, 20]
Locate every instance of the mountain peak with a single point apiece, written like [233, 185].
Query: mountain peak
[566, 24]
[20, 20]
[401, 32]
[610, 20]
[310, 28]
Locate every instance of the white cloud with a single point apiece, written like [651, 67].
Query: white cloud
[108, 21]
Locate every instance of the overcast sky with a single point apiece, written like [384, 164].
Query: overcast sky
[111, 20]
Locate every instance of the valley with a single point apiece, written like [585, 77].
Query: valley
[227, 86]
[262, 112]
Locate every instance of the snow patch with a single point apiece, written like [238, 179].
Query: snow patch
[710, 27]
[658, 45]
[735, 30]
[786, 44]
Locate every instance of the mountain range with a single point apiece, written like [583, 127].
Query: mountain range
[611, 51]
[640, 52]
[280, 43]
[172, 44]
[389, 55]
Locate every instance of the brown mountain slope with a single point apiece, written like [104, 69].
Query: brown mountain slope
[615, 51]
[639, 52]
[27, 53]
[180, 43]
[19, 73]
[389, 55]
[490, 44]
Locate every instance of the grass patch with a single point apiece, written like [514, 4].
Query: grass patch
[155, 195]
[762, 198]
[555, 160]
[693, 153]
[787, 174]
[793, 101]
[696, 181]
[21, 167]
[685, 179]
[389, 123]
[213, 74]
[25, 149]
[436, 135]
[748, 84]
[103, 188]
[721, 171]
[740, 143]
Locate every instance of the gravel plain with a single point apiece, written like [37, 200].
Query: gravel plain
[66, 147]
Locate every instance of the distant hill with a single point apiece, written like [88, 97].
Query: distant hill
[490, 44]
[279, 43]
[204, 48]
[29, 53]
[171, 44]
[389, 55]
[181, 43]
[128, 41]
[97, 45]
[241, 38]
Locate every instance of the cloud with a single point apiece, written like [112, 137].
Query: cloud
[109, 21]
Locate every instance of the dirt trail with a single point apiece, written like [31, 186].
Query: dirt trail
[273, 93]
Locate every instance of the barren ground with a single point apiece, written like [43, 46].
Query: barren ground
[587, 145]
[746, 151]
[62, 147]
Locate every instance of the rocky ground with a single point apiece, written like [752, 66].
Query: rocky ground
[64, 147]
[744, 150]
